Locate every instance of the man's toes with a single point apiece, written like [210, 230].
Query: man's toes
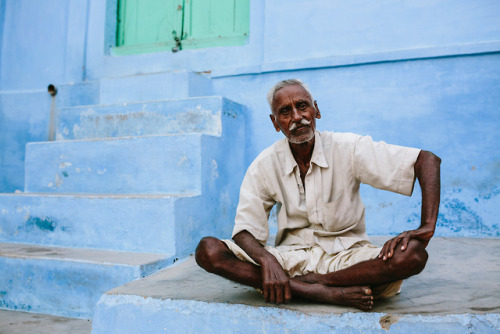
[367, 298]
[366, 307]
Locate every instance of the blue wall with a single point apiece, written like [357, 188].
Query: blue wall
[420, 73]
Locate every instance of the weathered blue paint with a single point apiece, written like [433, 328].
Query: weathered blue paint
[24, 117]
[448, 106]
[42, 43]
[66, 288]
[140, 165]
[194, 115]
[122, 223]
[423, 75]
[43, 223]
[394, 93]
[132, 314]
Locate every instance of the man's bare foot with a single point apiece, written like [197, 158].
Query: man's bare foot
[356, 296]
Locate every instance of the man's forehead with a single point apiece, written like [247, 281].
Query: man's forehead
[293, 92]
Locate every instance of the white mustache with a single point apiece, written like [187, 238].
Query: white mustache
[294, 125]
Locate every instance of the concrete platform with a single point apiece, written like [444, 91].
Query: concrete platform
[458, 292]
[12, 322]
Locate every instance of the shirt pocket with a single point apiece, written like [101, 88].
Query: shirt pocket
[337, 214]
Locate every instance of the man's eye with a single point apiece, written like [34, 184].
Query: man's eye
[284, 111]
[303, 106]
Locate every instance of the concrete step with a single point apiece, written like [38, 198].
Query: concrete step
[141, 165]
[67, 281]
[458, 292]
[193, 115]
[152, 87]
[15, 322]
[133, 223]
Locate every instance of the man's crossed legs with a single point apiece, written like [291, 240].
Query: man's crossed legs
[354, 286]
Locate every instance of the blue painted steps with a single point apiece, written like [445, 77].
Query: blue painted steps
[127, 191]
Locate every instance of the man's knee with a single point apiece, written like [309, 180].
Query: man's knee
[413, 259]
[208, 253]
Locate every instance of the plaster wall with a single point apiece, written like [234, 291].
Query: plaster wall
[58, 41]
[449, 106]
[418, 73]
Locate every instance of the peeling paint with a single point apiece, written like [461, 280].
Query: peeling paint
[101, 171]
[64, 165]
[4, 211]
[388, 320]
[184, 162]
[58, 181]
[64, 173]
[215, 172]
[44, 223]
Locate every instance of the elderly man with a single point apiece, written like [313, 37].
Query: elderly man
[321, 250]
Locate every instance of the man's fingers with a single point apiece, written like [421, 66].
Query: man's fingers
[265, 291]
[383, 252]
[272, 295]
[288, 294]
[279, 295]
[405, 242]
[393, 245]
[389, 247]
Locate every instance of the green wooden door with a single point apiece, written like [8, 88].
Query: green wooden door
[151, 25]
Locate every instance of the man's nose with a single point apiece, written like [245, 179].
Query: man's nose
[296, 116]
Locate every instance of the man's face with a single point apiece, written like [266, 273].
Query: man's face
[294, 113]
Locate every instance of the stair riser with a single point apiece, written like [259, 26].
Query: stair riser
[124, 224]
[58, 287]
[153, 87]
[144, 165]
[195, 115]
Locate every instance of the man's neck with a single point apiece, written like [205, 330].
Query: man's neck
[302, 153]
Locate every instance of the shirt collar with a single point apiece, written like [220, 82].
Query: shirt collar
[318, 156]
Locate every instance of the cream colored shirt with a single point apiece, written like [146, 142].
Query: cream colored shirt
[327, 210]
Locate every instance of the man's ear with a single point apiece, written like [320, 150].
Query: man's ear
[318, 114]
[273, 119]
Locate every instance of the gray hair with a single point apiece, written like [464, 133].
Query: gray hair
[283, 84]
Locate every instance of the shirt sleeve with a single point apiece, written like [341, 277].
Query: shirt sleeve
[385, 166]
[254, 206]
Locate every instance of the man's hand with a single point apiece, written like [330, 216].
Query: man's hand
[423, 234]
[275, 283]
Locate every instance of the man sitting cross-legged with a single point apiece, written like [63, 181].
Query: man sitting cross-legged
[313, 178]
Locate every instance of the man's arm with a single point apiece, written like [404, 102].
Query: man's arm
[275, 283]
[427, 171]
